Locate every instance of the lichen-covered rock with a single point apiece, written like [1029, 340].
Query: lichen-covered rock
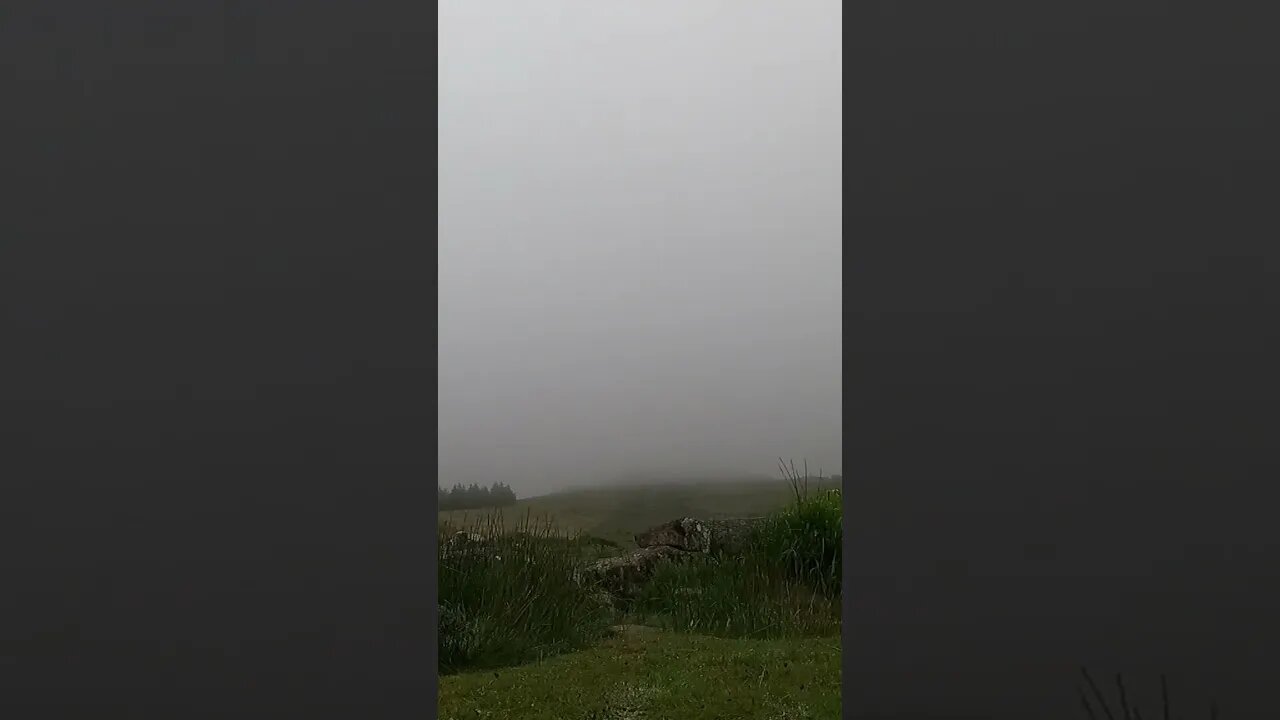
[688, 534]
[463, 543]
[462, 537]
[732, 536]
[625, 575]
[681, 539]
[729, 535]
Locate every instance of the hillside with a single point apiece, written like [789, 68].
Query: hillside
[617, 513]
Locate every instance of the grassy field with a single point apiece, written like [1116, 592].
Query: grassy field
[751, 636]
[641, 672]
[618, 513]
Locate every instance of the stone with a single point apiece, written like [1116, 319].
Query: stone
[681, 539]
[463, 543]
[728, 535]
[625, 575]
[688, 534]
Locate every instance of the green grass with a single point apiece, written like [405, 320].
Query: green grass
[736, 597]
[808, 537]
[786, 585]
[515, 601]
[652, 674]
[618, 513]
[753, 636]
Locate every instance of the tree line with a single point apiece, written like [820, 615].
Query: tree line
[473, 496]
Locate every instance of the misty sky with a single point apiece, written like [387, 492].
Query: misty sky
[640, 238]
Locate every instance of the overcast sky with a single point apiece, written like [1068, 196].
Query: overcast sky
[640, 238]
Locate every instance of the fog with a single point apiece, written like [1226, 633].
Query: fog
[639, 239]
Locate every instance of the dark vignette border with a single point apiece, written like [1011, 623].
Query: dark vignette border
[217, 305]
[1060, 299]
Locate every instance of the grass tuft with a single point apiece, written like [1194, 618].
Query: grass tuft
[511, 598]
[786, 584]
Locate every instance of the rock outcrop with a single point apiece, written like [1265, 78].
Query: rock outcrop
[462, 544]
[729, 536]
[625, 575]
[682, 539]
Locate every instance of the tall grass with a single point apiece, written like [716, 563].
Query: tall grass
[807, 536]
[511, 597]
[745, 596]
[786, 584]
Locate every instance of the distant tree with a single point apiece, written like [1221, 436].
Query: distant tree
[501, 494]
[497, 494]
[475, 496]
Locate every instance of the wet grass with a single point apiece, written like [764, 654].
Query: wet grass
[787, 583]
[645, 673]
[618, 513]
[511, 598]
